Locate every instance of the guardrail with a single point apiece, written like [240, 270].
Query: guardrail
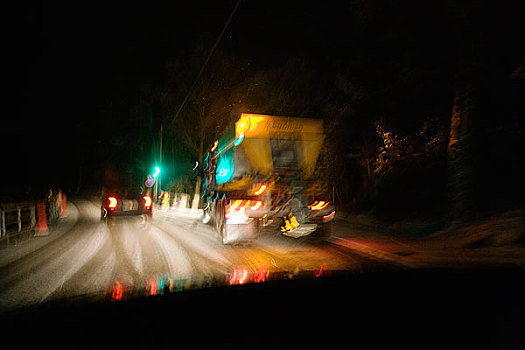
[17, 219]
[21, 220]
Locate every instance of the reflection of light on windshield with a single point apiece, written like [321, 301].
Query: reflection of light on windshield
[261, 275]
[242, 275]
[321, 271]
[118, 291]
[164, 283]
[152, 287]
[239, 276]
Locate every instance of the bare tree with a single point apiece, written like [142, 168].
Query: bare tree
[465, 109]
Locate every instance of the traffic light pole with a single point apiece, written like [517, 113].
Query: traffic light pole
[157, 171]
[160, 156]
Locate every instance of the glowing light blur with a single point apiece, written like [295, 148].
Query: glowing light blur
[239, 276]
[162, 283]
[152, 287]
[157, 172]
[215, 145]
[112, 203]
[118, 292]
[248, 122]
[319, 205]
[147, 202]
[328, 217]
[261, 275]
[260, 190]
[239, 140]
[165, 201]
[321, 271]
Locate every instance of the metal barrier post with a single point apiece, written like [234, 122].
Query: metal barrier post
[19, 212]
[2, 233]
[16, 218]
[33, 216]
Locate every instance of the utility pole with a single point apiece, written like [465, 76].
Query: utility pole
[157, 180]
[160, 156]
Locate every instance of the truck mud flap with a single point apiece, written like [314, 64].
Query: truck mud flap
[301, 231]
[239, 233]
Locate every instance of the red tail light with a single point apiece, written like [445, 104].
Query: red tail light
[147, 202]
[328, 217]
[112, 203]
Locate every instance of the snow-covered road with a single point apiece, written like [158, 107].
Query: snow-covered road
[83, 257]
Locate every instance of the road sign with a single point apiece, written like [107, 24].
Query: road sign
[150, 181]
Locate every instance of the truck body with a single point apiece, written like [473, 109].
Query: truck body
[260, 172]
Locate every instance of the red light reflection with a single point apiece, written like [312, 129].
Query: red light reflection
[152, 287]
[261, 275]
[321, 271]
[118, 292]
[239, 276]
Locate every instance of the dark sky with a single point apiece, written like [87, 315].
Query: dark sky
[69, 61]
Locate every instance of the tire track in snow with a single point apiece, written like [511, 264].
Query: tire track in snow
[94, 277]
[125, 268]
[46, 278]
[205, 260]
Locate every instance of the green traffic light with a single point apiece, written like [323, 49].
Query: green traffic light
[157, 172]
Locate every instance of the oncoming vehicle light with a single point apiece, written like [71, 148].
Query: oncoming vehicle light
[112, 203]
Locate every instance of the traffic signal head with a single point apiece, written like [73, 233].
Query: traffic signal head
[157, 172]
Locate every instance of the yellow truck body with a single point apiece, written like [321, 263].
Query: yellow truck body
[254, 141]
[259, 171]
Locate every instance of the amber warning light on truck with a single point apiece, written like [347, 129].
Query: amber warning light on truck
[260, 190]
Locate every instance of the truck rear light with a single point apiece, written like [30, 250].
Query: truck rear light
[318, 205]
[260, 190]
[112, 203]
[147, 202]
[328, 217]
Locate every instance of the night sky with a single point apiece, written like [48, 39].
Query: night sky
[74, 67]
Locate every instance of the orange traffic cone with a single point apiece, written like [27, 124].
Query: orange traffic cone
[64, 205]
[42, 219]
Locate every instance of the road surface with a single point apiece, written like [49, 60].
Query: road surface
[85, 258]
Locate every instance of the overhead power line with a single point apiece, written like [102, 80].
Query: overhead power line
[207, 60]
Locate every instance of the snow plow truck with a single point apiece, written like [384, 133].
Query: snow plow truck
[259, 177]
